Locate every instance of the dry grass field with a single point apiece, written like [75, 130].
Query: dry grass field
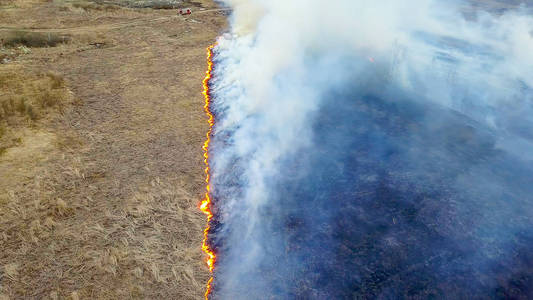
[101, 132]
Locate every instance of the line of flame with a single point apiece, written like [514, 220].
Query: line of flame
[205, 205]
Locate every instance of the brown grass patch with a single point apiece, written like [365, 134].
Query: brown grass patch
[87, 5]
[33, 39]
[24, 98]
[146, 239]
[7, 3]
[153, 4]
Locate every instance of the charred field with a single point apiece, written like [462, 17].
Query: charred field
[389, 163]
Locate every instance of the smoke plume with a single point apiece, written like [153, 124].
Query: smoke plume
[373, 149]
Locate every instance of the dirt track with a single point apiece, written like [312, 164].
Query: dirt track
[117, 25]
[101, 201]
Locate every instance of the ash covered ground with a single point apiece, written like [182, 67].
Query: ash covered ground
[393, 165]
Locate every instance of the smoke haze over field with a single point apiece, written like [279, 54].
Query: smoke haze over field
[373, 149]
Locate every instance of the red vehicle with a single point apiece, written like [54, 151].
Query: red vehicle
[185, 11]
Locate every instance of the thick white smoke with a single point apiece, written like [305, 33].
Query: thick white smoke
[281, 60]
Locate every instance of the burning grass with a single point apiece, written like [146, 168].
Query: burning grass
[205, 206]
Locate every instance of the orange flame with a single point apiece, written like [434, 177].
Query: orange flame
[205, 205]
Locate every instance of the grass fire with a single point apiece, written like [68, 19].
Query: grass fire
[355, 150]
[205, 205]
[359, 154]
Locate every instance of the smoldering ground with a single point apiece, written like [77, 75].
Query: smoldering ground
[360, 153]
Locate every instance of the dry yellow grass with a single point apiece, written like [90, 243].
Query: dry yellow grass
[24, 98]
[99, 191]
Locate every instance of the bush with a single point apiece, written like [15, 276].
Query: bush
[25, 94]
[154, 4]
[34, 39]
[24, 98]
[31, 112]
[21, 106]
[8, 106]
[86, 5]
[57, 80]
[49, 98]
